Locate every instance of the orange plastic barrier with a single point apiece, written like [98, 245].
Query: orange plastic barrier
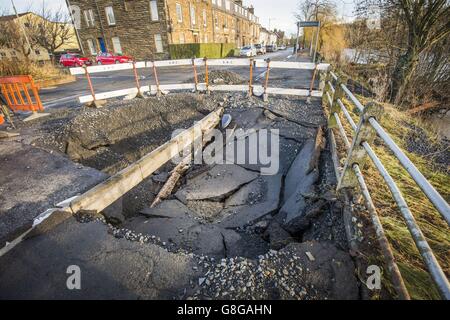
[17, 89]
[2, 120]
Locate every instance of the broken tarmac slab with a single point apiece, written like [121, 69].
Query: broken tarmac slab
[33, 180]
[111, 268]
[252, 202]
[167, 209]
[215, 184]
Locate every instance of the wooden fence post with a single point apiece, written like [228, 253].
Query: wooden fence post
[335, 108]
[357, 154]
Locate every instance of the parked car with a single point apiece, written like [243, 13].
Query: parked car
[260, 49]
[109, 58]
[282, 47]
[248, 51]
[74, 60]
[271, 48]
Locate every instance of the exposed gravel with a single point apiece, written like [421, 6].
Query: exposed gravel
[220, 77]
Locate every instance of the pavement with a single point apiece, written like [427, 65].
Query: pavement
[66, 95]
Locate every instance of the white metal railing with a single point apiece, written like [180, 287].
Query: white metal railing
[364, 133]
[157, 88]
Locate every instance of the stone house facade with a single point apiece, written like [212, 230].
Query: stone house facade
[144, 29]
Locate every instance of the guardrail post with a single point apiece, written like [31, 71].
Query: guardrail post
[95, 103]
[266, 82]
[324, 77]
[311, 85]
[206, 75]
[335, 108]
[136, 78]
[357, 153]
[155, 74]
[195, 75]
[250, 82]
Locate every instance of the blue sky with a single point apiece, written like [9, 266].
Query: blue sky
[280, 12]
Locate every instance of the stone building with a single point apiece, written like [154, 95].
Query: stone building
[144, 29]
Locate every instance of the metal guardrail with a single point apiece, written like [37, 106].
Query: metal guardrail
[360, 148]
[157, 88]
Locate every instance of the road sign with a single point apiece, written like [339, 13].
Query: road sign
[304, 24]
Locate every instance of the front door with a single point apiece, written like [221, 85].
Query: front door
[102, 45]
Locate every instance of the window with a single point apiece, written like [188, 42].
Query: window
[225, 23]
[89, 17]
[182, 39]
[205, 18]
[91, 46]
[216, 21]
[154, 10]
[158, 43]
[179, 13]
[193, 22]
[214, 2]
[37, 52]
[206, 38]
[110, 16]
[116, 45]
[219, 3]
[227, 5]
[2, 54]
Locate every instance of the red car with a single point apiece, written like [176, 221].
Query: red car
[109, 58]
[74, 60]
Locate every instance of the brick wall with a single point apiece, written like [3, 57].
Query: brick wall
[133, 26]
[136, 30]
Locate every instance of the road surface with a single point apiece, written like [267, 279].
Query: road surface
[67, 95]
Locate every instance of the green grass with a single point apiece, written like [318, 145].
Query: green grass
[434, 227]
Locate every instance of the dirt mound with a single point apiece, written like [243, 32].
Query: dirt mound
[110, 138]
[221, 77]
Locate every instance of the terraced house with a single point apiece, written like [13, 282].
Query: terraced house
[144, 29]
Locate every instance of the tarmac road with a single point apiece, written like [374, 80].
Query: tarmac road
[67, 95]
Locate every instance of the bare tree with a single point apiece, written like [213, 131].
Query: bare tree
[316, 10]
[52, 30]
[416, 26]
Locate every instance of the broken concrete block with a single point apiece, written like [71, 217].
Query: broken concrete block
[216, 184]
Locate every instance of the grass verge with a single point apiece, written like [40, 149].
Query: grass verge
[404, 130]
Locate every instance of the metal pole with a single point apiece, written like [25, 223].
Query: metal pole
[430, 260]
[88, 77]
[266, 82]
[436, 199]
[394, 271]
[136, 78]
[21, 26]
[298, 36]
[317, 42]
[155, 74]
[206, 75]
[250, 82]
[195, 74]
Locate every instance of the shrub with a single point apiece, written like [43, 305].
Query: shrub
[201, 50]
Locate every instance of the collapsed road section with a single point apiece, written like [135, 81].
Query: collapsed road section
[225, 230]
